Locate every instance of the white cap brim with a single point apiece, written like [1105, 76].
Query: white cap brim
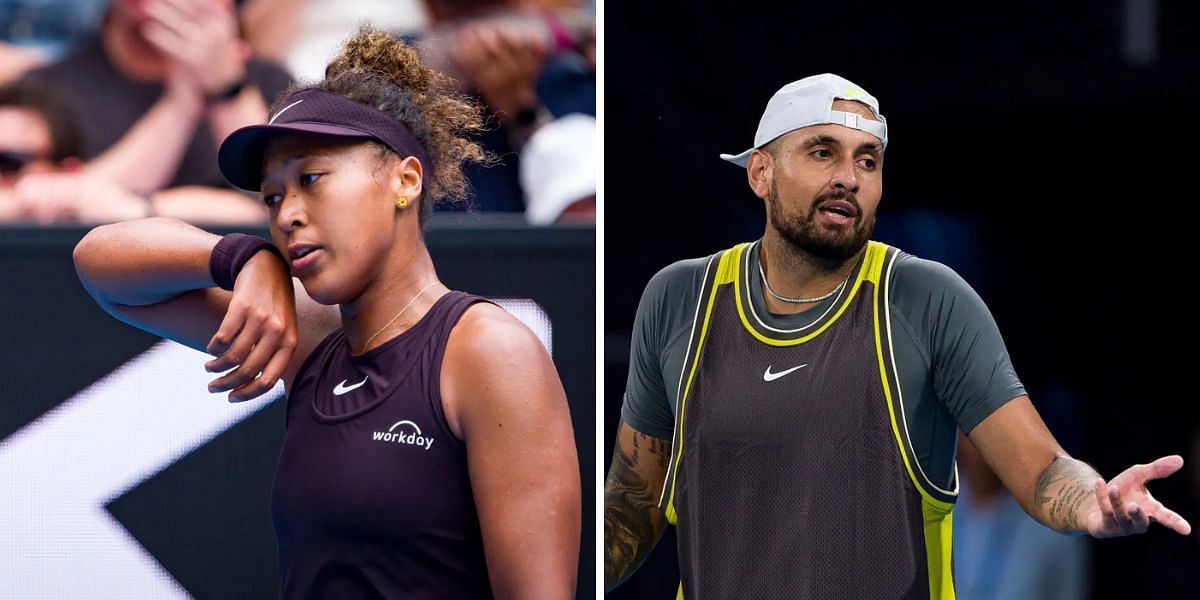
[740, 160]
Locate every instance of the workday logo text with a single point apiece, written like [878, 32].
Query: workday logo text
[404, 432]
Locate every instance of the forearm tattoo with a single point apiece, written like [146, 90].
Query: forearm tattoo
[632, 519]
[1063, 489]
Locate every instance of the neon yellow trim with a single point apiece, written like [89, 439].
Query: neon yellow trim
[679, 595]
[876, 269]
[936, 514]
[939, 533]
[873, 265]
[873, 262]
[726, 273]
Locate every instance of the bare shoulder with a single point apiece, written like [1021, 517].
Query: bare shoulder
[502, 394]
[487, 334]
[494, 364]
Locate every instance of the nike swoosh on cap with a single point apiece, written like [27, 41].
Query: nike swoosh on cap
[285, 109]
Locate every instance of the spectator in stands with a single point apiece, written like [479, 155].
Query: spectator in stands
[155, 92]
[559, 168]
[35, 137]
[528, 65]
[43, 180]
[1000, 553]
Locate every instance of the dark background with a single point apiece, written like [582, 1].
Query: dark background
[1045, 150]
[205, 517]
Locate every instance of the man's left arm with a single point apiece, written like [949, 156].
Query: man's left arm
[1063, 493]
[974, 379]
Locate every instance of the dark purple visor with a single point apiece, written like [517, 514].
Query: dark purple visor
[317, 112]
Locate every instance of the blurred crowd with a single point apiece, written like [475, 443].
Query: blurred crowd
[114, 110]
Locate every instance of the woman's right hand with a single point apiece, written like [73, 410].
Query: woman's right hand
[258, 334]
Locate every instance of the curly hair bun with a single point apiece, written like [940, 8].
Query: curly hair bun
[378, 53]
[378, 70]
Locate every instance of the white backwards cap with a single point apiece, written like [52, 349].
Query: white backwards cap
[809, 101]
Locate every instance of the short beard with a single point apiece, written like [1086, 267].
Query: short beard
[804, 236]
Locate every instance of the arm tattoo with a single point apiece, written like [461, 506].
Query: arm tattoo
[1063, 489]
[632, 519]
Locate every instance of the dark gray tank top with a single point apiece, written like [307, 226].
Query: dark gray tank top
[788, 480]
[372, 497]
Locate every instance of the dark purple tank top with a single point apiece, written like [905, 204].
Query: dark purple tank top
[372, 498]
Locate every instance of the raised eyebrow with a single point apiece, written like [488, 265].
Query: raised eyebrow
[870, 147]
[818, 140]
[828, 140]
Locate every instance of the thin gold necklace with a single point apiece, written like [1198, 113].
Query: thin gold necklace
[389, 323]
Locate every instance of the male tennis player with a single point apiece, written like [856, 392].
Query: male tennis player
[792, 403]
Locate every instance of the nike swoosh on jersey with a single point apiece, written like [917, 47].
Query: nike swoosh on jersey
[769, 376]
[341, 388]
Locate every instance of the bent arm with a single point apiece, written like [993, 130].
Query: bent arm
[1055, 489]
[146, 157]
[200, 204]
[633, 522]
[154, 274]
[512, 413]
[143, 262]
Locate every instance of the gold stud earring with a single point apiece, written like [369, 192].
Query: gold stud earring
[402, 202]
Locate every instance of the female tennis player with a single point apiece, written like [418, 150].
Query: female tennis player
[429, 450]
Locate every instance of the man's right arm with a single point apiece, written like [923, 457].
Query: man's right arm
[633, 521]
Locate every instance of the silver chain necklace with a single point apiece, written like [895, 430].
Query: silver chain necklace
[798, 300]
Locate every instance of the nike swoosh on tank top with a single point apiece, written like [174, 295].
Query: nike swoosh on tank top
[372, 497]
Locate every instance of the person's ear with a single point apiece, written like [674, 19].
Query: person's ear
[759, 172]
[406, 180]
